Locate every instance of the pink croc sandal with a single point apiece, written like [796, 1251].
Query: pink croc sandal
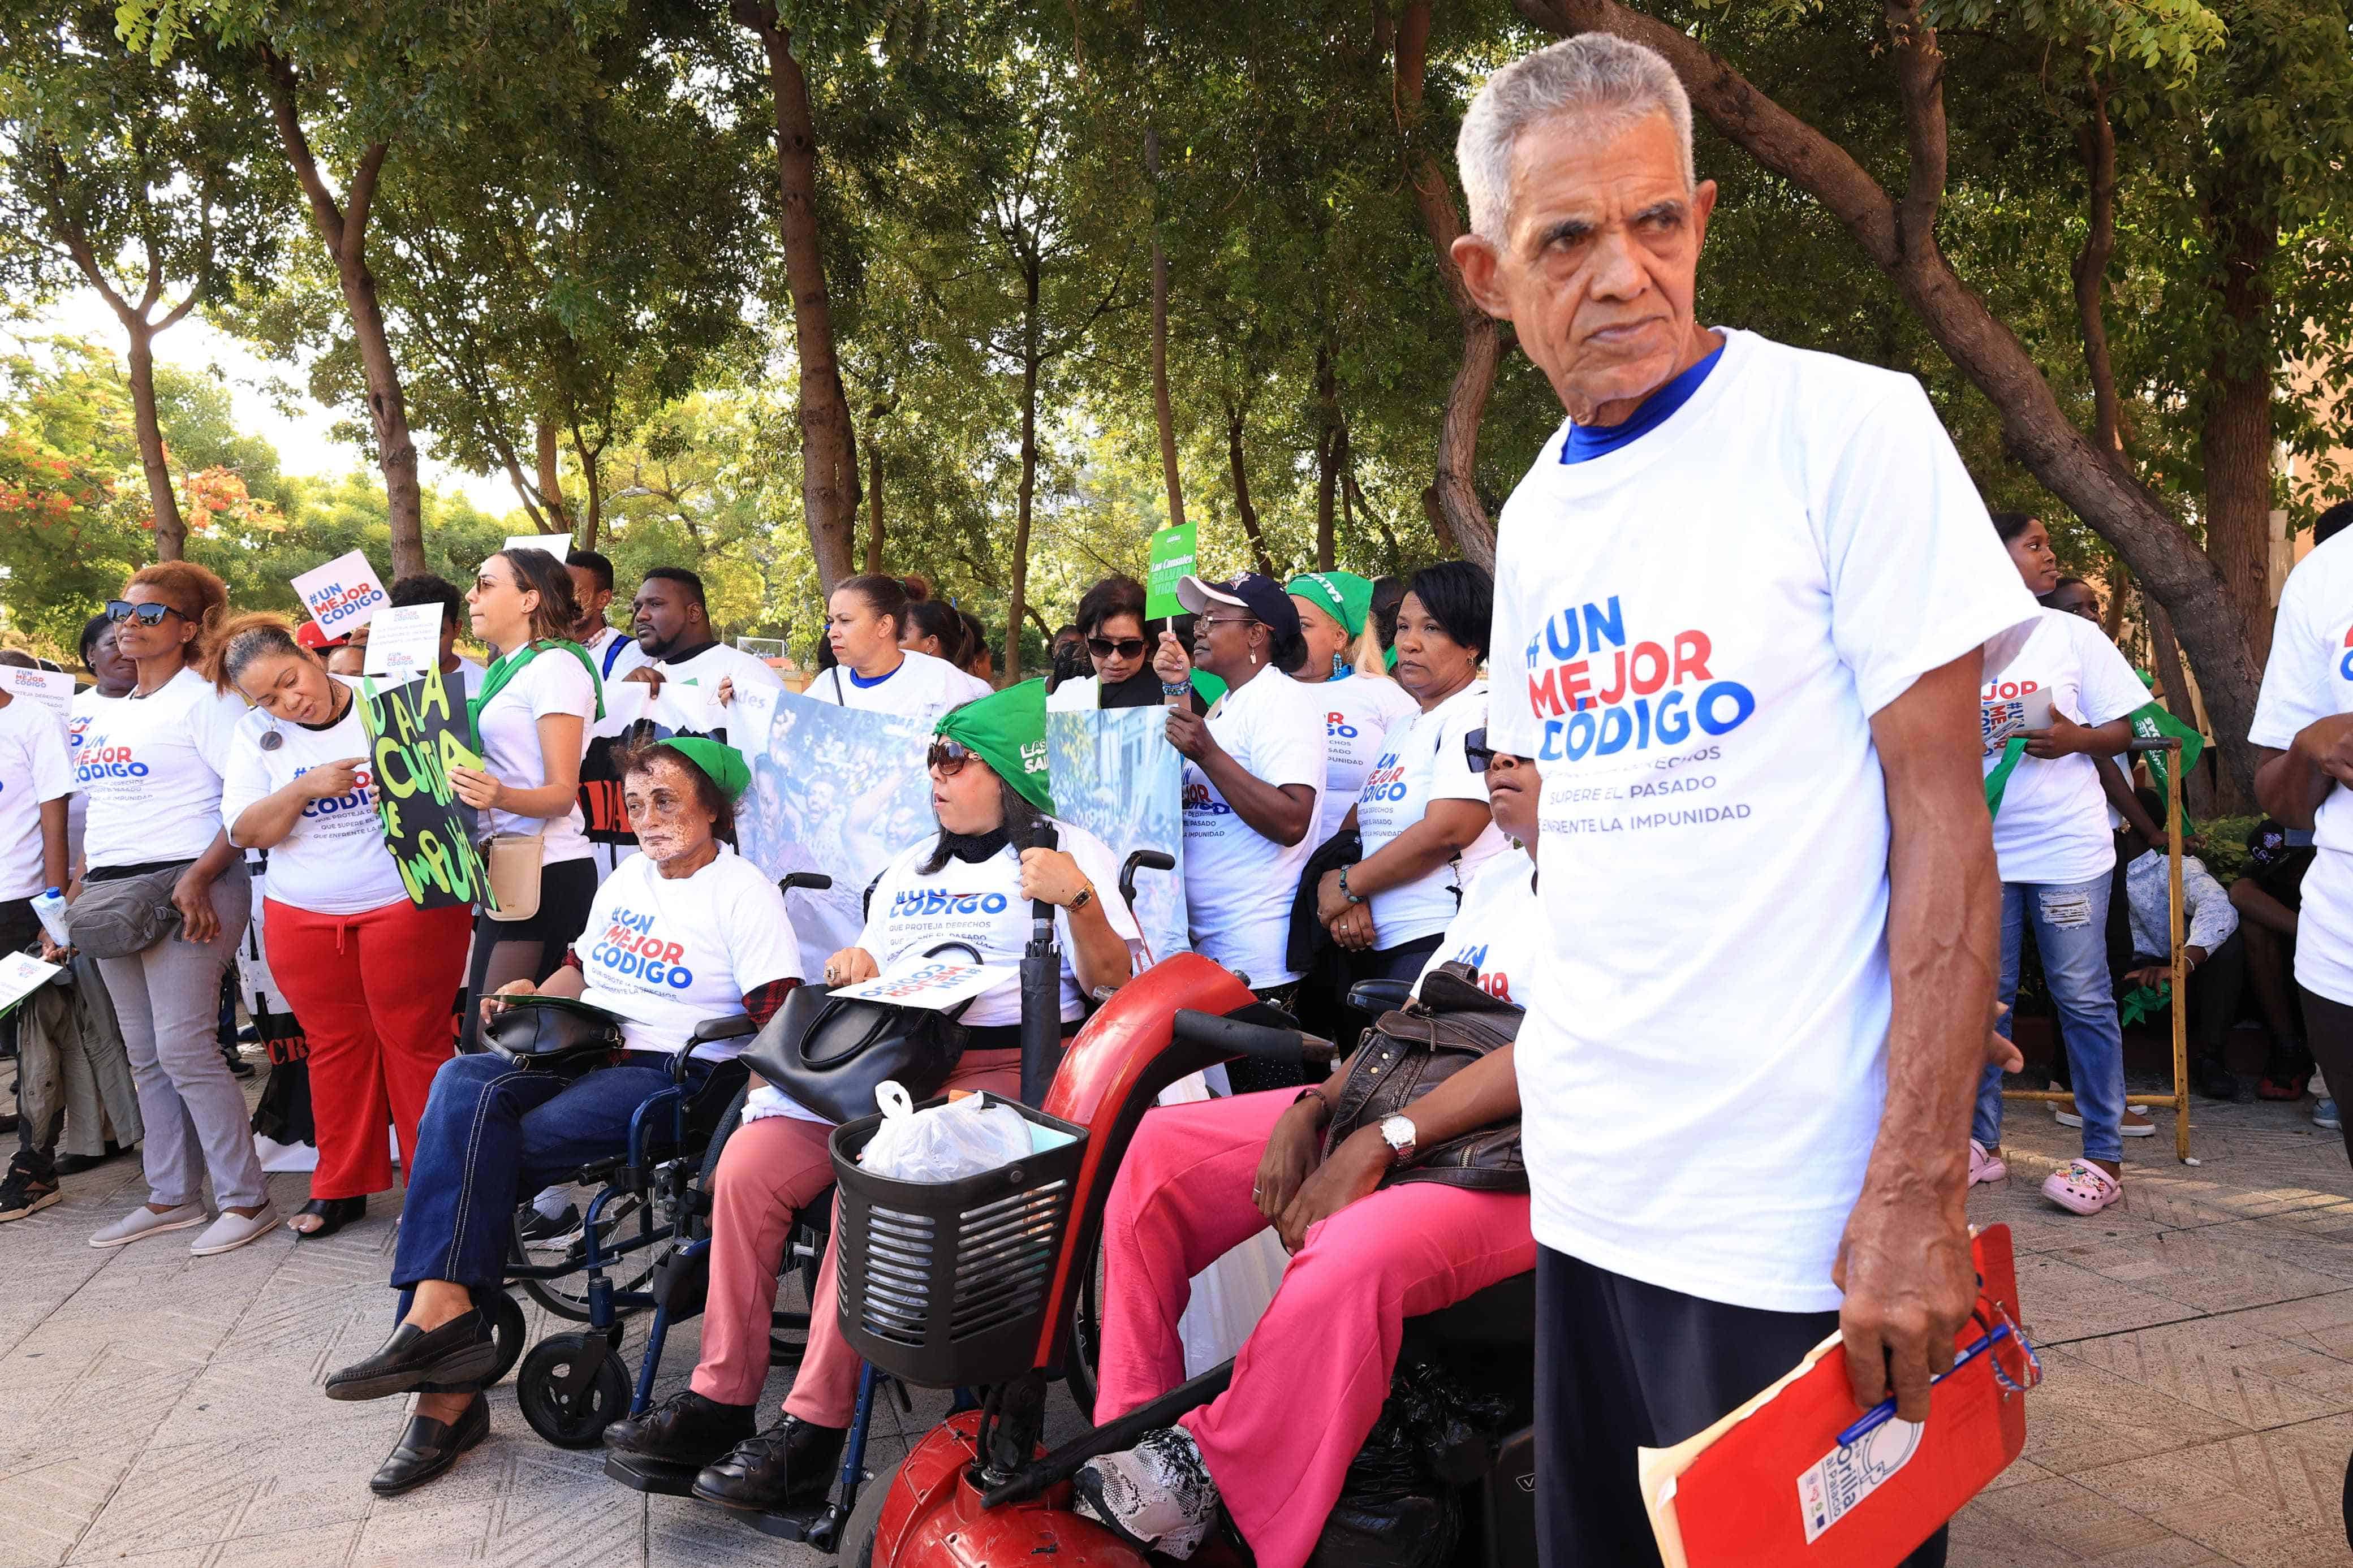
[1985, 1167]
[2080, 1187]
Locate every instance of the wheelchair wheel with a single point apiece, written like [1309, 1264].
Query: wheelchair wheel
[1086, 1338]
[570, 1388]
[566, 1295]
[507, 1329]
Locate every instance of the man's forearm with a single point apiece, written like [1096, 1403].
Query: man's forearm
[2289, 785]
[1942, 930]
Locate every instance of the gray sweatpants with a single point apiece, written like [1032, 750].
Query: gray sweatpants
[168, 999]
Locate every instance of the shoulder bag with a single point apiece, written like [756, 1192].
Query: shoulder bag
[558, 1035]
[1412, 1050]
[123, 915]
[830, 1053]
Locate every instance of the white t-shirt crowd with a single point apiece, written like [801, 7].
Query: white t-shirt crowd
[152, 768]
[553, 683]
[2053, 827]
[1238, 884]
[1357, 713]
[334, 862]
[2310, 677]
[665, 954]
[32, 770]
[922, 686]
[1421, 762]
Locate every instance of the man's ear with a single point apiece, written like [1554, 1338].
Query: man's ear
[1482, 266]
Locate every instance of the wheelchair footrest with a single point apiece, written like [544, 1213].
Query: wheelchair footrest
[787, 1524]
[670, 1477]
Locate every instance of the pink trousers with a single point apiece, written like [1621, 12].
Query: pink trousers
[1309, 1382]
[769, 1171]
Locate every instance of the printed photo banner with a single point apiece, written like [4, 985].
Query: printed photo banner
[834, 790]
[635, 712]
[417, 732]
[343, 595]
[1116, 775]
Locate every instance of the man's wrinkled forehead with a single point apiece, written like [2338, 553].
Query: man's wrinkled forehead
[1587, 168]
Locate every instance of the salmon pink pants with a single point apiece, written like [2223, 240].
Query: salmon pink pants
[1309, 1382]
[770, 1169]
[373, 993]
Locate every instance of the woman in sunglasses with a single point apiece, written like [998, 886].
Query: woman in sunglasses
[1111, 623]
[1346, 665]
[1203, 1178]
[972, 883]
[152, 765]
[1423, 812]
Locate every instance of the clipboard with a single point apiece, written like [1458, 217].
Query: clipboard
[1793, 1479]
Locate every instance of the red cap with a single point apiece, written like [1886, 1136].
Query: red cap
[309, 636]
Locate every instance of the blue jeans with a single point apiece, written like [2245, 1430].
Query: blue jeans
[2071, 933]
[493, 1133]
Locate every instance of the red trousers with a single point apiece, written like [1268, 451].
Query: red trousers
[372, 992]
[769, 1171]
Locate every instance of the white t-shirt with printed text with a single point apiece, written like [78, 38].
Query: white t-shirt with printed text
[334, 862]
[1499, 930]
[1421, 761]
[1238, 884]
[1691, 634]
[553, 683]
[922, 686]
[32, 770]
[2053, 827]
[665, 955]
[2310, 677]
[153, 767]
[1357, 713]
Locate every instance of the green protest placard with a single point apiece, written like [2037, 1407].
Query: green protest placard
[1172, 558]
[416, 734]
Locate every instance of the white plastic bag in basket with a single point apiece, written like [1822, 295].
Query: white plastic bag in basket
[961, 1137]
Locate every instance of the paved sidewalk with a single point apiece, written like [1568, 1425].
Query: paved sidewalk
[158, 1410]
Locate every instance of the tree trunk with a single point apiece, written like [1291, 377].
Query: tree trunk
[592, 515]
[550, 482]
[1235, 419]
[2235, 439]
[875, 505]
[1452, 498]
[1327, 459]
[1163, 412]
[1901, 241]
[828, 479]
[171, 529]
[1033, 357]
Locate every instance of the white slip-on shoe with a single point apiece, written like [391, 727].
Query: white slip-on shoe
[1158, 1494]
[233, 1230]
[144, 1221]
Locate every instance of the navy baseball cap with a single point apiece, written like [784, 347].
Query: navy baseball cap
[1265, 599]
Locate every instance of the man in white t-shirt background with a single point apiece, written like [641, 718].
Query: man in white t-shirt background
[1762, 577]
[673, 628]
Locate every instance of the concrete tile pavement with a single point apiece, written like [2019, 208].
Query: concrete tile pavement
[158, 1410]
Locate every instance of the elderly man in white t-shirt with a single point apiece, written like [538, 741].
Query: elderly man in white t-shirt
[1740, 604]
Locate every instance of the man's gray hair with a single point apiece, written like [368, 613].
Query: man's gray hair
[1611, 81]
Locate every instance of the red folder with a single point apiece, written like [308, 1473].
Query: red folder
[1799, 1479]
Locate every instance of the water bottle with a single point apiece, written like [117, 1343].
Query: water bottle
[50, 910]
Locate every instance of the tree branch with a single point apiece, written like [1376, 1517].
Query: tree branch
[2097, 140]
[1920, 82]
[324, 210]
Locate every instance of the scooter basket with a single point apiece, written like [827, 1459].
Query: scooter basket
[946, 1284]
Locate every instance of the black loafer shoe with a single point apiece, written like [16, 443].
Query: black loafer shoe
[661, 1450]
[429, 1447]
[461, 1354]
[790, 1464]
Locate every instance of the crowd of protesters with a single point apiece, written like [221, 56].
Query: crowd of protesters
[1698, 803]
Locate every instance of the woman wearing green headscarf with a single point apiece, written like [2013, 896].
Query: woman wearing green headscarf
[972, 883]
[1345, 666]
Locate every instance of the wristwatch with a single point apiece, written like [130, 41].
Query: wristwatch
[1397, 1132]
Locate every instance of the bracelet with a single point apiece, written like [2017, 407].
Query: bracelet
[1086, 895]
[1324, 1105]
[1345, 892]
[1175, 689]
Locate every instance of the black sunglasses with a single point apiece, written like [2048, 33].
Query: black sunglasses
[122, 610]
[1124, 647]
[947, 758]
[1479, 754]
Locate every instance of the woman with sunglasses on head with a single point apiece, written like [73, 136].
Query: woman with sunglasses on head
[1253, 776]
[535, 706]
[972, 883]
[866, 624]
[1200, 1179]
[368, 973]
[685, 931]
[153, 766]
[1347, 666]
[1423, 811]
[1111, 627]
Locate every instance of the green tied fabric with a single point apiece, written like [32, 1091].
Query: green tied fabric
[2143, 1003]
[722, 764]
[1999, 780]
[1345, 596]
[2152, 723]
[1007, 732]
[504, 669]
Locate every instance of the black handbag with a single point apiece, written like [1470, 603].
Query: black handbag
[553, 1033]
[1413, 1049]
[829, 1053]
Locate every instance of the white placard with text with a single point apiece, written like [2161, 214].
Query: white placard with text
[405, 642]
[931, 984]
[49, 689]
[20, 974]
[343, 595]
[556, 544]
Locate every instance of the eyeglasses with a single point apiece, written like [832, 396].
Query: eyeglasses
[122, 610]
[1226, 621]
[1121, 647]
[947, 758]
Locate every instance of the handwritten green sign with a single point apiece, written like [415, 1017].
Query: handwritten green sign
[1172, 559]
[416, 735]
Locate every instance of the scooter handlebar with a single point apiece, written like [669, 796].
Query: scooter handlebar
[1283, 1048]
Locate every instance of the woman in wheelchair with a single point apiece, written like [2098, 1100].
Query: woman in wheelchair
[973, 883]
[683, 932]
[1202, 1178]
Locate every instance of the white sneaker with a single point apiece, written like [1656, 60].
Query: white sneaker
[1158, 1494]
[233, 1230]
[144, 1221]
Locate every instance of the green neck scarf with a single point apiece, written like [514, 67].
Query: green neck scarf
[506, 667]
[1999, 780]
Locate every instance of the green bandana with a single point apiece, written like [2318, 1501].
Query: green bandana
[1007, 732]
[1342, 595]
[723, 764]
[1999, 780]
